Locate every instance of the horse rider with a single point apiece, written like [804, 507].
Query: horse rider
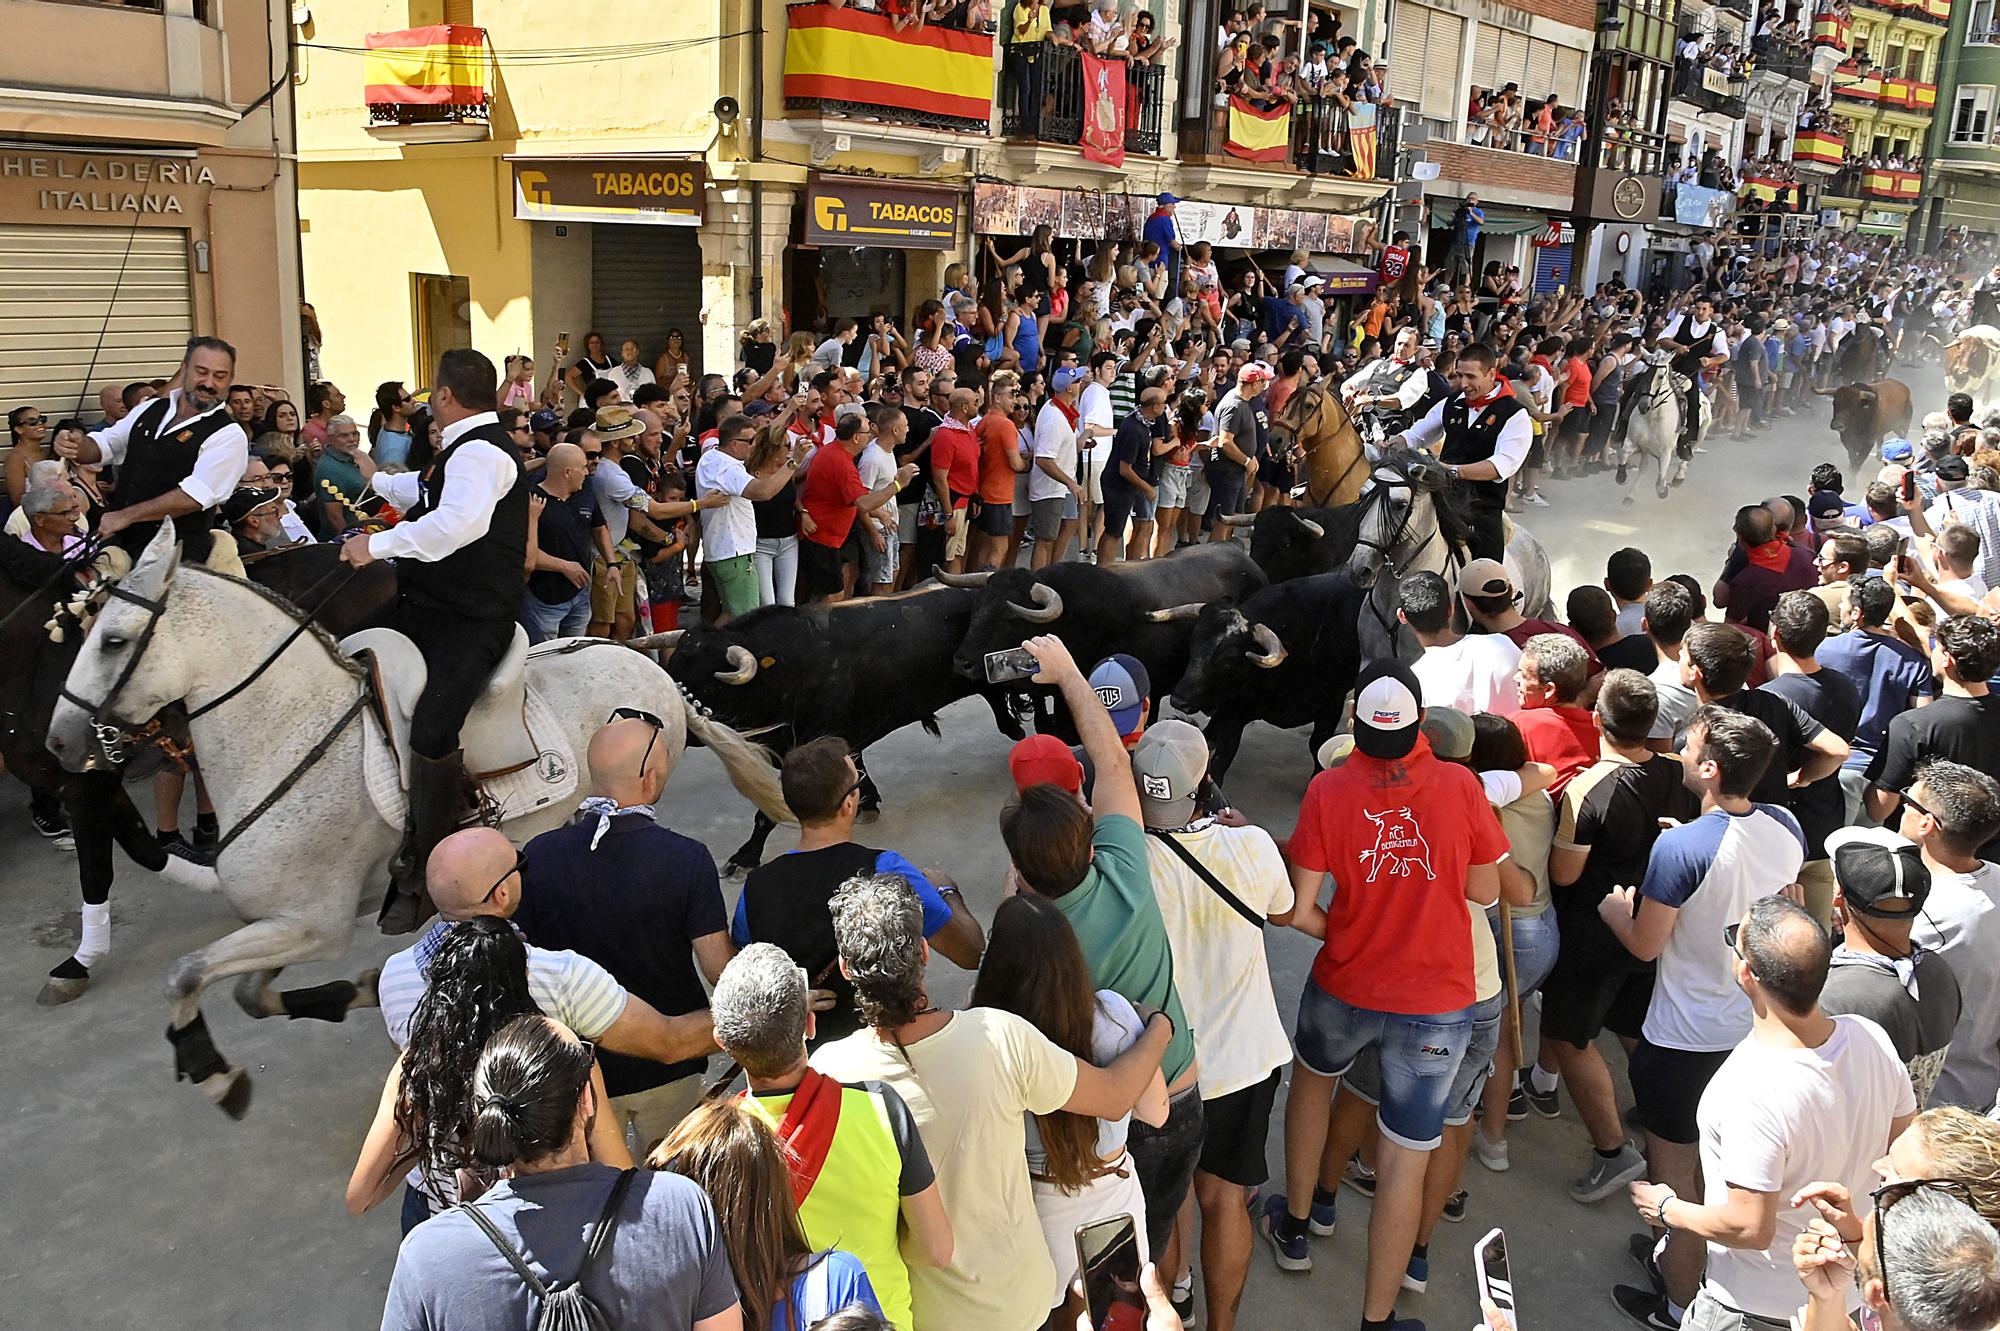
[461, 553]
[1487, 433]
[1700, 347]
[1388, 388]
[179, 457]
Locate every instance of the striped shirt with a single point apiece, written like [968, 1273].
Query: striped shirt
[568, 986]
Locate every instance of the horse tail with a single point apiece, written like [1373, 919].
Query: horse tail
[752, 768]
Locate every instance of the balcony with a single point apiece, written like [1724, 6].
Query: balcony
[1879, 185]
[1713, 90]
[1927, 11]
[1833, 33]
[1825, 149]
[1043, 98]
[429, 85]
[1793, 62]
[853, 63]
[1313, 135]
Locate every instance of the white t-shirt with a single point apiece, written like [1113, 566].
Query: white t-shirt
[1710, 870]
[1474, 674]
[877, 466]
[568, 986]
[1114, 1027]
[1632, 619]
[1094, 408]
[967, 1087]
[1677, 701]
[731, 529]
[1054, 438]
[1961, 923]
[1220, 970]
[1775, 1119]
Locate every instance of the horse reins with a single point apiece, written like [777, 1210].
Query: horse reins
[93, 545]
[1321, 393]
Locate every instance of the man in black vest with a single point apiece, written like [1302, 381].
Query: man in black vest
[1486, 433]
[178, 457]
[461, 553]
[1700, 346]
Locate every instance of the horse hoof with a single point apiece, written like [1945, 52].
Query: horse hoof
[229, 1091]
[57, 991]
[1661, 491]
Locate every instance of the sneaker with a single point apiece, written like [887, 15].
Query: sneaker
[1537, 500]
[1492, 1154]
[1546, 1103]
[1182, 1297]
[1360, 1178]
[1454, 1207]
[1417, 1275]
[1644, 1307]
[1291, 1254]
[51, 826]
[1605, 1177]
[1517, 1103]
[1641, 1247]
[1321, 1218]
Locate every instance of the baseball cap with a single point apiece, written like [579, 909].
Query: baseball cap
[617, 421]
[1168, 765]
[1825, 504]
[1388, 706]
[1486, 577]
[759, 408]
[1122, 685]
[246, 500]
[1165, 198]
[1873, 865]
[1449, 731]
[1313, 280]
[1256, 369]
[1896, 450]
[545, 421]
[1044, 760]
[1953, 468]
[1063, 378]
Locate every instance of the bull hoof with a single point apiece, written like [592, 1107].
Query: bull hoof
[59, 990]
[229, 1091]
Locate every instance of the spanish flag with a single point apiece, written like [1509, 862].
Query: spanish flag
[1756, 187]
[442, 65]
[1258, 136]
[850, 55]
[1831, 31]
[1819, 145]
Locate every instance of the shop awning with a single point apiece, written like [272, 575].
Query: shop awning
[1878, 229]
[1500, 219]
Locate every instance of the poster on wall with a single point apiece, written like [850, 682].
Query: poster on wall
[996, 209]
[1312, 232]
[1082, 215]
[1012, 210]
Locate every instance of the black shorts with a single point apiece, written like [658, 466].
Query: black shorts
[1117, 508]
[1276, 472]
[1579, 1000]
[1225, 491]
[819, 568]
[1235, 1129]
[1576, 424]
[1667, 1086]
[1538, 455]
[992, 519]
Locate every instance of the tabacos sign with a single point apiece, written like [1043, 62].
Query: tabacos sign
[873, 212]
[644, 191]
[75, 183]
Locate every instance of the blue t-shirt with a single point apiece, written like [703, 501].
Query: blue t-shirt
[392, 448]
[1468, 223]
[834, 1281]
[937, 911]
[1885, 671]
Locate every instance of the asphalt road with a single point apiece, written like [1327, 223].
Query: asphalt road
[134, 1203]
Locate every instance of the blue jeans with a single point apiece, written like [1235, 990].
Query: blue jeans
[1419, 1057]
[565, 619]
[1536, 940]
[1364, 1079]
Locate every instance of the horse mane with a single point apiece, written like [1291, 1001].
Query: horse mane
[325, 639]
[1451, 498]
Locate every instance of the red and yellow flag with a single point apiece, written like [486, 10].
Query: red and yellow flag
[849, 55]
[1258, 136]
[442, 65]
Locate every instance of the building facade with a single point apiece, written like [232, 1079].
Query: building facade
[1885, 96]
[1964, 185]
[146, 195]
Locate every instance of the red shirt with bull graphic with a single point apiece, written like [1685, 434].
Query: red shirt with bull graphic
[1398, 836]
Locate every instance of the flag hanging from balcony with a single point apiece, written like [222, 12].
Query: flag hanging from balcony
[442, 65]
[850, 55]
[1104, 109]
[1361, 139]
[1258, 136]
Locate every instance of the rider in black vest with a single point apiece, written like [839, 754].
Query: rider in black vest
[1700, 347]
[1487, 433]
[460, 554]
[178, 457]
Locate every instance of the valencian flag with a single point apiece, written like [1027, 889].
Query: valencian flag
[1104, 109]
[850, 55]
[1258, 136]
[1361, 139]
[442, 65]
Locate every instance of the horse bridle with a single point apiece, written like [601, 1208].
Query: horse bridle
[1325, 395]
[1386, 549]
[109, 735]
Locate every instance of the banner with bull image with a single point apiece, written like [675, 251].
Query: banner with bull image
[1014, 210]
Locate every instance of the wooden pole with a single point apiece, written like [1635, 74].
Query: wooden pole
[1513, 981]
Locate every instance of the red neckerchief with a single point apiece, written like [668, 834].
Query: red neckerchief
[806, 1131]
[1500, 390]
[1542, 361]
[1069, 413]
[1773, 555]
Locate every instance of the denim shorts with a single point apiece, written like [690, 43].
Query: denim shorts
[1418, 1057]
[1364, 1079]
[1165, 1158]
[1535, 943]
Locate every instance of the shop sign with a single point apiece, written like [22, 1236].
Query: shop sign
[642, 191]
[874, 212]
[79, 183]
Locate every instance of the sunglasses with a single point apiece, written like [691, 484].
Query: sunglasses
[590, 456]
[1729, 936]
[281, 474]
[1886, 1197]
[638, 714]
[1921, 810]
[519, 866]
[34, 420]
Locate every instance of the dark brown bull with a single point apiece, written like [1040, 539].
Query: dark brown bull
[1864, 413]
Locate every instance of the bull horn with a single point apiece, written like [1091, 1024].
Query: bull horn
[1239, 519]
[1274, 652]
[746, 666]
[1824, 392]
[1173, 612]
[1313, 529]
[664, 642]
[950, 579]
[1048, 605]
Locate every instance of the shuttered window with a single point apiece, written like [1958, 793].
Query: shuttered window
[1423, 56]
[1500, 57]
[85, 306]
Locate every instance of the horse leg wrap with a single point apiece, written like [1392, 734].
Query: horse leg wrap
[320, 1002]
[96, 941]
[195, 1056]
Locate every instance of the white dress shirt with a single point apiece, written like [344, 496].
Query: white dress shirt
[730, 529]
[218, 468]
[481, 475]
[1510, 450]
[1407, 397]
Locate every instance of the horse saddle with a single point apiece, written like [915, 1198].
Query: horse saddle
[513, 742]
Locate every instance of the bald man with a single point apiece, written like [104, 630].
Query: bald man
[111, 401]
[955, 471]
[641, 901]
[564, 540]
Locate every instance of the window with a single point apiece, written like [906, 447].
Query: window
[1979, 29]
[1972, 115]
[1500, 57]
[1428, 40]
[444, 317]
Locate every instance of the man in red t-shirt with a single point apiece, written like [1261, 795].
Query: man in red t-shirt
[832, 496]
[955, 471]
[1000, 461]
[1557, 730]
[1408, 841]
[1494, 603]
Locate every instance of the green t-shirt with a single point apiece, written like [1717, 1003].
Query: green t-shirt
[344, 475]
[1124, 939]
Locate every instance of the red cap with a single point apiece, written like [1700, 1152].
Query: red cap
[1044, 760]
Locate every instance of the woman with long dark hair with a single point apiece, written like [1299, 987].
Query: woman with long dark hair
[1035, 969]
[784, 1285]
[673, 360]
[476, 983]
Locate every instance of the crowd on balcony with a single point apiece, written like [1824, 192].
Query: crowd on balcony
[1502, 118]
[1701, 50]
[1248, 65]
[970, 15]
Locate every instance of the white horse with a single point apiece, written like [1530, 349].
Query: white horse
[1655, 427]
[285, 752]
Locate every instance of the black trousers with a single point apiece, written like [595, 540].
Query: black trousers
[461, 653]
[1489, 530]
[195, 533]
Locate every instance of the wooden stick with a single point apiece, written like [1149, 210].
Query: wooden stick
[1513, 980]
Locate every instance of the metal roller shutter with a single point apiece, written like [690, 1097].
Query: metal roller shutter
[1426, 42]
[72, 321]
[1552, 268]
[645, 280]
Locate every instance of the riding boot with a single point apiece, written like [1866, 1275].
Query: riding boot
[437, 807]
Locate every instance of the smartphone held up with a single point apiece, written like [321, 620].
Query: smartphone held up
[1496, 1282]
[1012, 664]
[1107, 1258]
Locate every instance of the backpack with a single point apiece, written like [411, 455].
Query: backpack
[568, 1308]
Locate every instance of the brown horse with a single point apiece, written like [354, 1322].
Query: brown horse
[1319, 426]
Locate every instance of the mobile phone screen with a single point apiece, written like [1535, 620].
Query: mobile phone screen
[1107, 1256]
[1014, 663]
[1496, 1283]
